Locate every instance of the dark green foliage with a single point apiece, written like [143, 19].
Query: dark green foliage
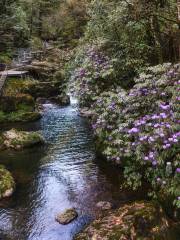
[136, 33]
[57, 20]
[13, 25]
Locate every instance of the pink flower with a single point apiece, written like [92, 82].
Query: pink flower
[163, 115]
[164, 107]
[133, 130]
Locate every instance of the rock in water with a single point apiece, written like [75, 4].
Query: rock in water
[7, 184]
[8, 193]
[104, 205]
[20, 139]
[66, 217]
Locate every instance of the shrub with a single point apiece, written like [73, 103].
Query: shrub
[93, 74]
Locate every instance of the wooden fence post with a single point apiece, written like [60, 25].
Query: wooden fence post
[178, 7]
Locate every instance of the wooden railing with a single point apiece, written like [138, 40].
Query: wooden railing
[26, 58]
[3, 79]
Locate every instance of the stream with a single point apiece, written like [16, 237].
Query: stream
[62, 174]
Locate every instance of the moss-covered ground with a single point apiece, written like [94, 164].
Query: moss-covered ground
[15, 104]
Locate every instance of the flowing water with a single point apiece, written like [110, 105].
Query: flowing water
[62, 174]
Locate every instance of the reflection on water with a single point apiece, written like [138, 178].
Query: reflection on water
[62, 174]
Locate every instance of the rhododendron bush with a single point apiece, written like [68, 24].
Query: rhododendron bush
[140, 129]
[92, 73]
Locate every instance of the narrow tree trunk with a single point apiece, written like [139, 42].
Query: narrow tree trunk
[31, 20]
[157, 38]
[40, 23]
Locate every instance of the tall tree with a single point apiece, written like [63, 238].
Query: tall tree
[13, 24]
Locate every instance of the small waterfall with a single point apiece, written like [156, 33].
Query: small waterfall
[74, 101]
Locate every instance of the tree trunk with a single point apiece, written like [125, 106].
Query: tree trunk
[31, 20]
[157, 38]
[178, 6]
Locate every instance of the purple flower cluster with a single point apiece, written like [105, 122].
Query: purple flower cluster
[134, 130]
[165, 107]
[93, 74]
[156, 129]
[151, 156]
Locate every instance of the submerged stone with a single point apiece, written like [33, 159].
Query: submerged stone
[66, 217]
[62, 100]
[104, 205]
[7, 184]
[20, 139]
[86, 112]
[139, 220]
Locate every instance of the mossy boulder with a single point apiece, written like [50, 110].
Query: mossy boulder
[139, 220]
[15, 105]
[7, 184]
[44, 89]
[41, 69]
[18, 140]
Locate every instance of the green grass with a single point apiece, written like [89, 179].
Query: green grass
[19, 116]
[5, 58]
[25, 107]
[17, 85]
